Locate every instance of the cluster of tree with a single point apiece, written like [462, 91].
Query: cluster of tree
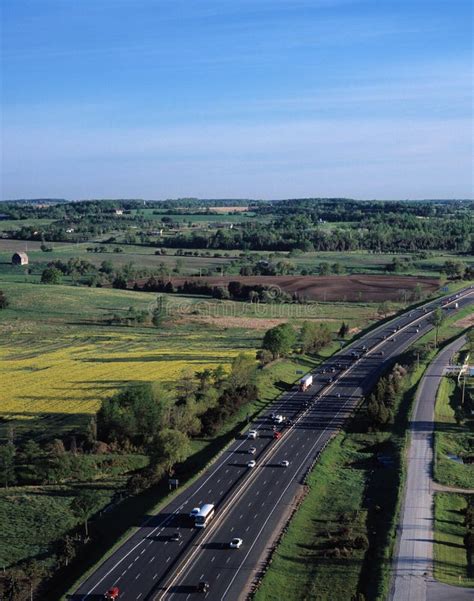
[373, 226]
[283, 340]
[381, 402]
[148, 419]
[79, 458]
[344, 540]
[456, 270]
[234, 290]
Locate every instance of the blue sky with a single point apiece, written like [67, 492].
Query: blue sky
[236, 98]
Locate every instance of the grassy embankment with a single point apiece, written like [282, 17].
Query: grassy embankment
[349, 480]
[450, 556]
[452, 438]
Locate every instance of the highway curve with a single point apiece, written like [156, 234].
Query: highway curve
[250, 502]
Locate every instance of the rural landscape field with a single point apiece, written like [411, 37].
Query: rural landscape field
[85, 324]
[236, 300]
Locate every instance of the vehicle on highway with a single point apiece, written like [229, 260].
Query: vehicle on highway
[278, 419]
[338, 395]
[205, 515]
[252, 434]
[236, 543]
[252, 450]
[193, 513]
[305, 382]
[112, 594]
[203, 587]
[276, 435]
[284, 463]
[251, 463]
[175, 537]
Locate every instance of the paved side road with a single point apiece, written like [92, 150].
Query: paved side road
[413, 561]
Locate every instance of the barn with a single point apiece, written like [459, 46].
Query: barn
[20, 259]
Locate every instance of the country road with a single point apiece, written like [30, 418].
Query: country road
[413, 559]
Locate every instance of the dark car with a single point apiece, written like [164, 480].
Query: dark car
[176, 536]
[203, 587]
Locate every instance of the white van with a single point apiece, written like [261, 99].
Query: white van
[252, 434]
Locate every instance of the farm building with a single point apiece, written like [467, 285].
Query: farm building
[20, 259]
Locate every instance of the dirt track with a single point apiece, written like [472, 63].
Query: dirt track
[363, 288]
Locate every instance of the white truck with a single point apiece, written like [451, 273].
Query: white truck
[306, 382]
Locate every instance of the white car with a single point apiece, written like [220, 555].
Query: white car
[252, 434]
[236, 543]
[193, 513]
[251, 463]
[284, 463]
[252, 450]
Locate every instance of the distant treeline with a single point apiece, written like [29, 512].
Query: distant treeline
[302, 224]
[232, 291]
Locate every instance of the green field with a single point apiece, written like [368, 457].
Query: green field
[452, 439]
[61, 356]
[450, 556]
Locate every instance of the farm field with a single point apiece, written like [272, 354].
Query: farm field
[367, 288]
[60, 355]
[143, 257]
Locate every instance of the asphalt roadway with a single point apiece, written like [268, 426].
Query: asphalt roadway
[413, 559]
[250, 502]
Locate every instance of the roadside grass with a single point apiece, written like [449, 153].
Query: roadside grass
[302, 568]
[450, 556]
[452, 439]
[35, 518]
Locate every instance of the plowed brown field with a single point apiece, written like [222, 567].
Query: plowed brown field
[363, 288]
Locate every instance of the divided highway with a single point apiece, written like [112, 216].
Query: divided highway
[250, 502]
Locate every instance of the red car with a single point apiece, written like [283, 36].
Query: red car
[276, 435]
[112, 594]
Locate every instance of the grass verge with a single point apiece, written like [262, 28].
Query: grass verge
[454, 440]
[450, 556]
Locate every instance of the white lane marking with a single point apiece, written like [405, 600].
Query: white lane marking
[212, 558]
[168, 559]
[138, 576]
[152, 558]
[275, 505]
[143, 551]
[138, 597]
[155, 576]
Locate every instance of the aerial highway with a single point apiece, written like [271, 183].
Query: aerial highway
[167, 557]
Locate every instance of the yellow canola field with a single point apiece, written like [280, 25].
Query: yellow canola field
[70, 376]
